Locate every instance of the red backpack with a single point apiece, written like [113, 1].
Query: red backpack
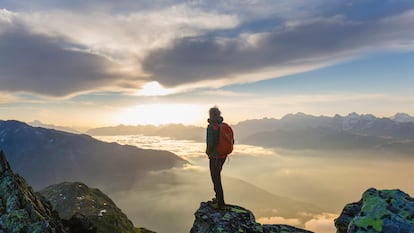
[226, 140]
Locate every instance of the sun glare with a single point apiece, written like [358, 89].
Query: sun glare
[158, 114]
[153, 89]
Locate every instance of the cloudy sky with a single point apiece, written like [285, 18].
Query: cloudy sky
[93, 63]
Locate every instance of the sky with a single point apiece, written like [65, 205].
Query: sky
[97, 63]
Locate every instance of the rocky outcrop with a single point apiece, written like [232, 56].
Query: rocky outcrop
[75, 199]
[233, 219]
[83, 209]
[379, 211]
[21, 209]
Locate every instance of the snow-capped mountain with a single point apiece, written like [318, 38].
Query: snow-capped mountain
[353, 120]
[402, 118]
[353, 131]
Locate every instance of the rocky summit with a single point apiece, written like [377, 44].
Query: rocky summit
[233, 219]
[379, 211]
[21, 209]
[77, 199]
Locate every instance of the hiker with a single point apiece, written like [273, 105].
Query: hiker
[216, 159]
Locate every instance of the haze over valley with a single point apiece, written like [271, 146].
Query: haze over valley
[276, 170]
[324, 177]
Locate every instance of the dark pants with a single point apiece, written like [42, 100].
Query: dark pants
[216, 164]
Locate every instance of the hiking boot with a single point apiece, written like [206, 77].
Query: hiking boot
[217, 206]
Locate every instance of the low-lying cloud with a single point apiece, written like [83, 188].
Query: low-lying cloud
[306, 189]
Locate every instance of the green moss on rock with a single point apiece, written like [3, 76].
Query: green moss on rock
[232, 220]
[21, 209]
[379, 211]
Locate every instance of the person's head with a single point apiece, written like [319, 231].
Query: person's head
[214, 112]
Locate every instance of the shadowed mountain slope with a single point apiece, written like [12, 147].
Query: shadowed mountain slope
[47, 156]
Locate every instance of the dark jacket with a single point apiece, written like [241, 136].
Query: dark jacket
[213, 135]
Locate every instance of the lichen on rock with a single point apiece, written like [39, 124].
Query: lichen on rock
[233, 219]
[379, 211]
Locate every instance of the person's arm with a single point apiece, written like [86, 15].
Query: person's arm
[210, 140]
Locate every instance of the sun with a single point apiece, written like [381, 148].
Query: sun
[163, 113]
[153, 89]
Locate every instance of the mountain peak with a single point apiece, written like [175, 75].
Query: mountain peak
[402, 118]
[233, 219]
[297, 115]
[71, 198]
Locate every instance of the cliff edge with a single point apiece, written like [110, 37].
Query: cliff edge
[234, 219]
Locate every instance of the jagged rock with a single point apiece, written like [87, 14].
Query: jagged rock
[233, 219]
[80, 204]
[79, 223]
[21, 209]
[379, 211]
[86, 210]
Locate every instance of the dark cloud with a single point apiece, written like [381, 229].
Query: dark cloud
[315, 41]
[87, 6]
[40, 64]
[328, 31]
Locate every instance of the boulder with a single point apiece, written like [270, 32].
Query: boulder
[233, 219]
[379, 211]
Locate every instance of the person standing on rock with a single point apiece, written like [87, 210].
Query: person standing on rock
[216, 154]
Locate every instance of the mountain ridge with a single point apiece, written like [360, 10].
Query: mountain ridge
[302, 131]
[354, 131]
[244, 128]
[47, 156]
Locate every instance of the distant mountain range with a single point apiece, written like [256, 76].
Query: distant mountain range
[300, 131]
[38, 123]
[354, 131]
[176, 131]
[46, 156]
